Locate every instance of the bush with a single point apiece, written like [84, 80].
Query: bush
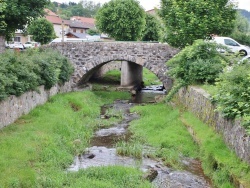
[21, 72]
[196, 64]
[233, 97]
[242, 38]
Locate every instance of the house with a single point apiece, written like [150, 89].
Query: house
[58, 23]
[87, 21]
[21, 37]
[76, 26]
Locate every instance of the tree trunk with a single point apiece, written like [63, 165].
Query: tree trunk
[2, 44]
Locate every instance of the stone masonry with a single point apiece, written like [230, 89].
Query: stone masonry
[235, 136]
[88, 57]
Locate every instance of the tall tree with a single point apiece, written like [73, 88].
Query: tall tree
[188, 20]
[122, 20]
[152, 30]
[42, 30]
[18, 14]
[241, 32]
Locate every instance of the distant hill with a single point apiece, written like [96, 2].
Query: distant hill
[245, 13]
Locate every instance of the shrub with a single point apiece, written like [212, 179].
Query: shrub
[199, 63]
[21, 72]
[233, 97]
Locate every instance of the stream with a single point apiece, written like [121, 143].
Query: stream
[103, 153]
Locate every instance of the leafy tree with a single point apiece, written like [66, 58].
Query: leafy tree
[17, 14]
[188, 20]
[85, 9]
[2, 21]
[121, 19]
[20, 13]
[241, 31]
[42, 30]
[152, 29]
[93, 32]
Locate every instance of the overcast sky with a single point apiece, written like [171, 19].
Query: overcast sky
[150, 4]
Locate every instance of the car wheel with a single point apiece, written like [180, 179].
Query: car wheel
[243, 53]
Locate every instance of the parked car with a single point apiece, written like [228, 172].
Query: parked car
[12, 44]
[31, 44]
[233, 45]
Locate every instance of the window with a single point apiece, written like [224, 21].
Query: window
[17, 39]
[81, 30]
[230, 42]
[74, 30]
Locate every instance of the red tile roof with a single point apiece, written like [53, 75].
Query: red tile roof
[84, 19]
[54, 19]
[49, 12]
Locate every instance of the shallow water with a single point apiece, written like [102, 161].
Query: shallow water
[102, 151]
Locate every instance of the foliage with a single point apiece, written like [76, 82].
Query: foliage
[26, 71]
[199, 63]
[42, 30]
[218, 162]
[122, 20]
[65, 11]
[93, 32]
[233, 97]
[152, 29]
[241, 31]
[187, 21]
[18, 14]
[2, 21]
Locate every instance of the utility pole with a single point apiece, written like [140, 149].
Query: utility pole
[62, 31]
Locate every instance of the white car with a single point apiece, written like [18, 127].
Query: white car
[233, 45]
[12, 45]
[31, 44]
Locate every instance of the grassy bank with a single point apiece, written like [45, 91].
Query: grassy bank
[219, 162]
[159, 126]
[165, 128]
[37, 148]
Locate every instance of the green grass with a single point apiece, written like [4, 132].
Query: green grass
[159, 126]
[113, 77]
[150, 78]
[219, 163]
[211, 89]
[37, 148]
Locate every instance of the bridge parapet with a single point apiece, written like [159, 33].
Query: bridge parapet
[87, 57]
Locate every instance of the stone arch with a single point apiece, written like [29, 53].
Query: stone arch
[88, 56]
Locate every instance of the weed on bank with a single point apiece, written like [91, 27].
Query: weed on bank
[37, 149]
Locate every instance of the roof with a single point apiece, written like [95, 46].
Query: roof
[78, 35]
[54, 19]
[49, 12]
[78, 24]
[87, 21]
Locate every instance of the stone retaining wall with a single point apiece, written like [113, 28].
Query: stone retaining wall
[14, 107]
[197, 101]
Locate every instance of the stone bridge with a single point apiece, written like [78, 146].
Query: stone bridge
[88, 57]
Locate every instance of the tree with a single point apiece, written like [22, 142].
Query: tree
[188, 20]
[122, 20]
[152, 29]
[18, 14]
[42, 30]
[241, 32]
